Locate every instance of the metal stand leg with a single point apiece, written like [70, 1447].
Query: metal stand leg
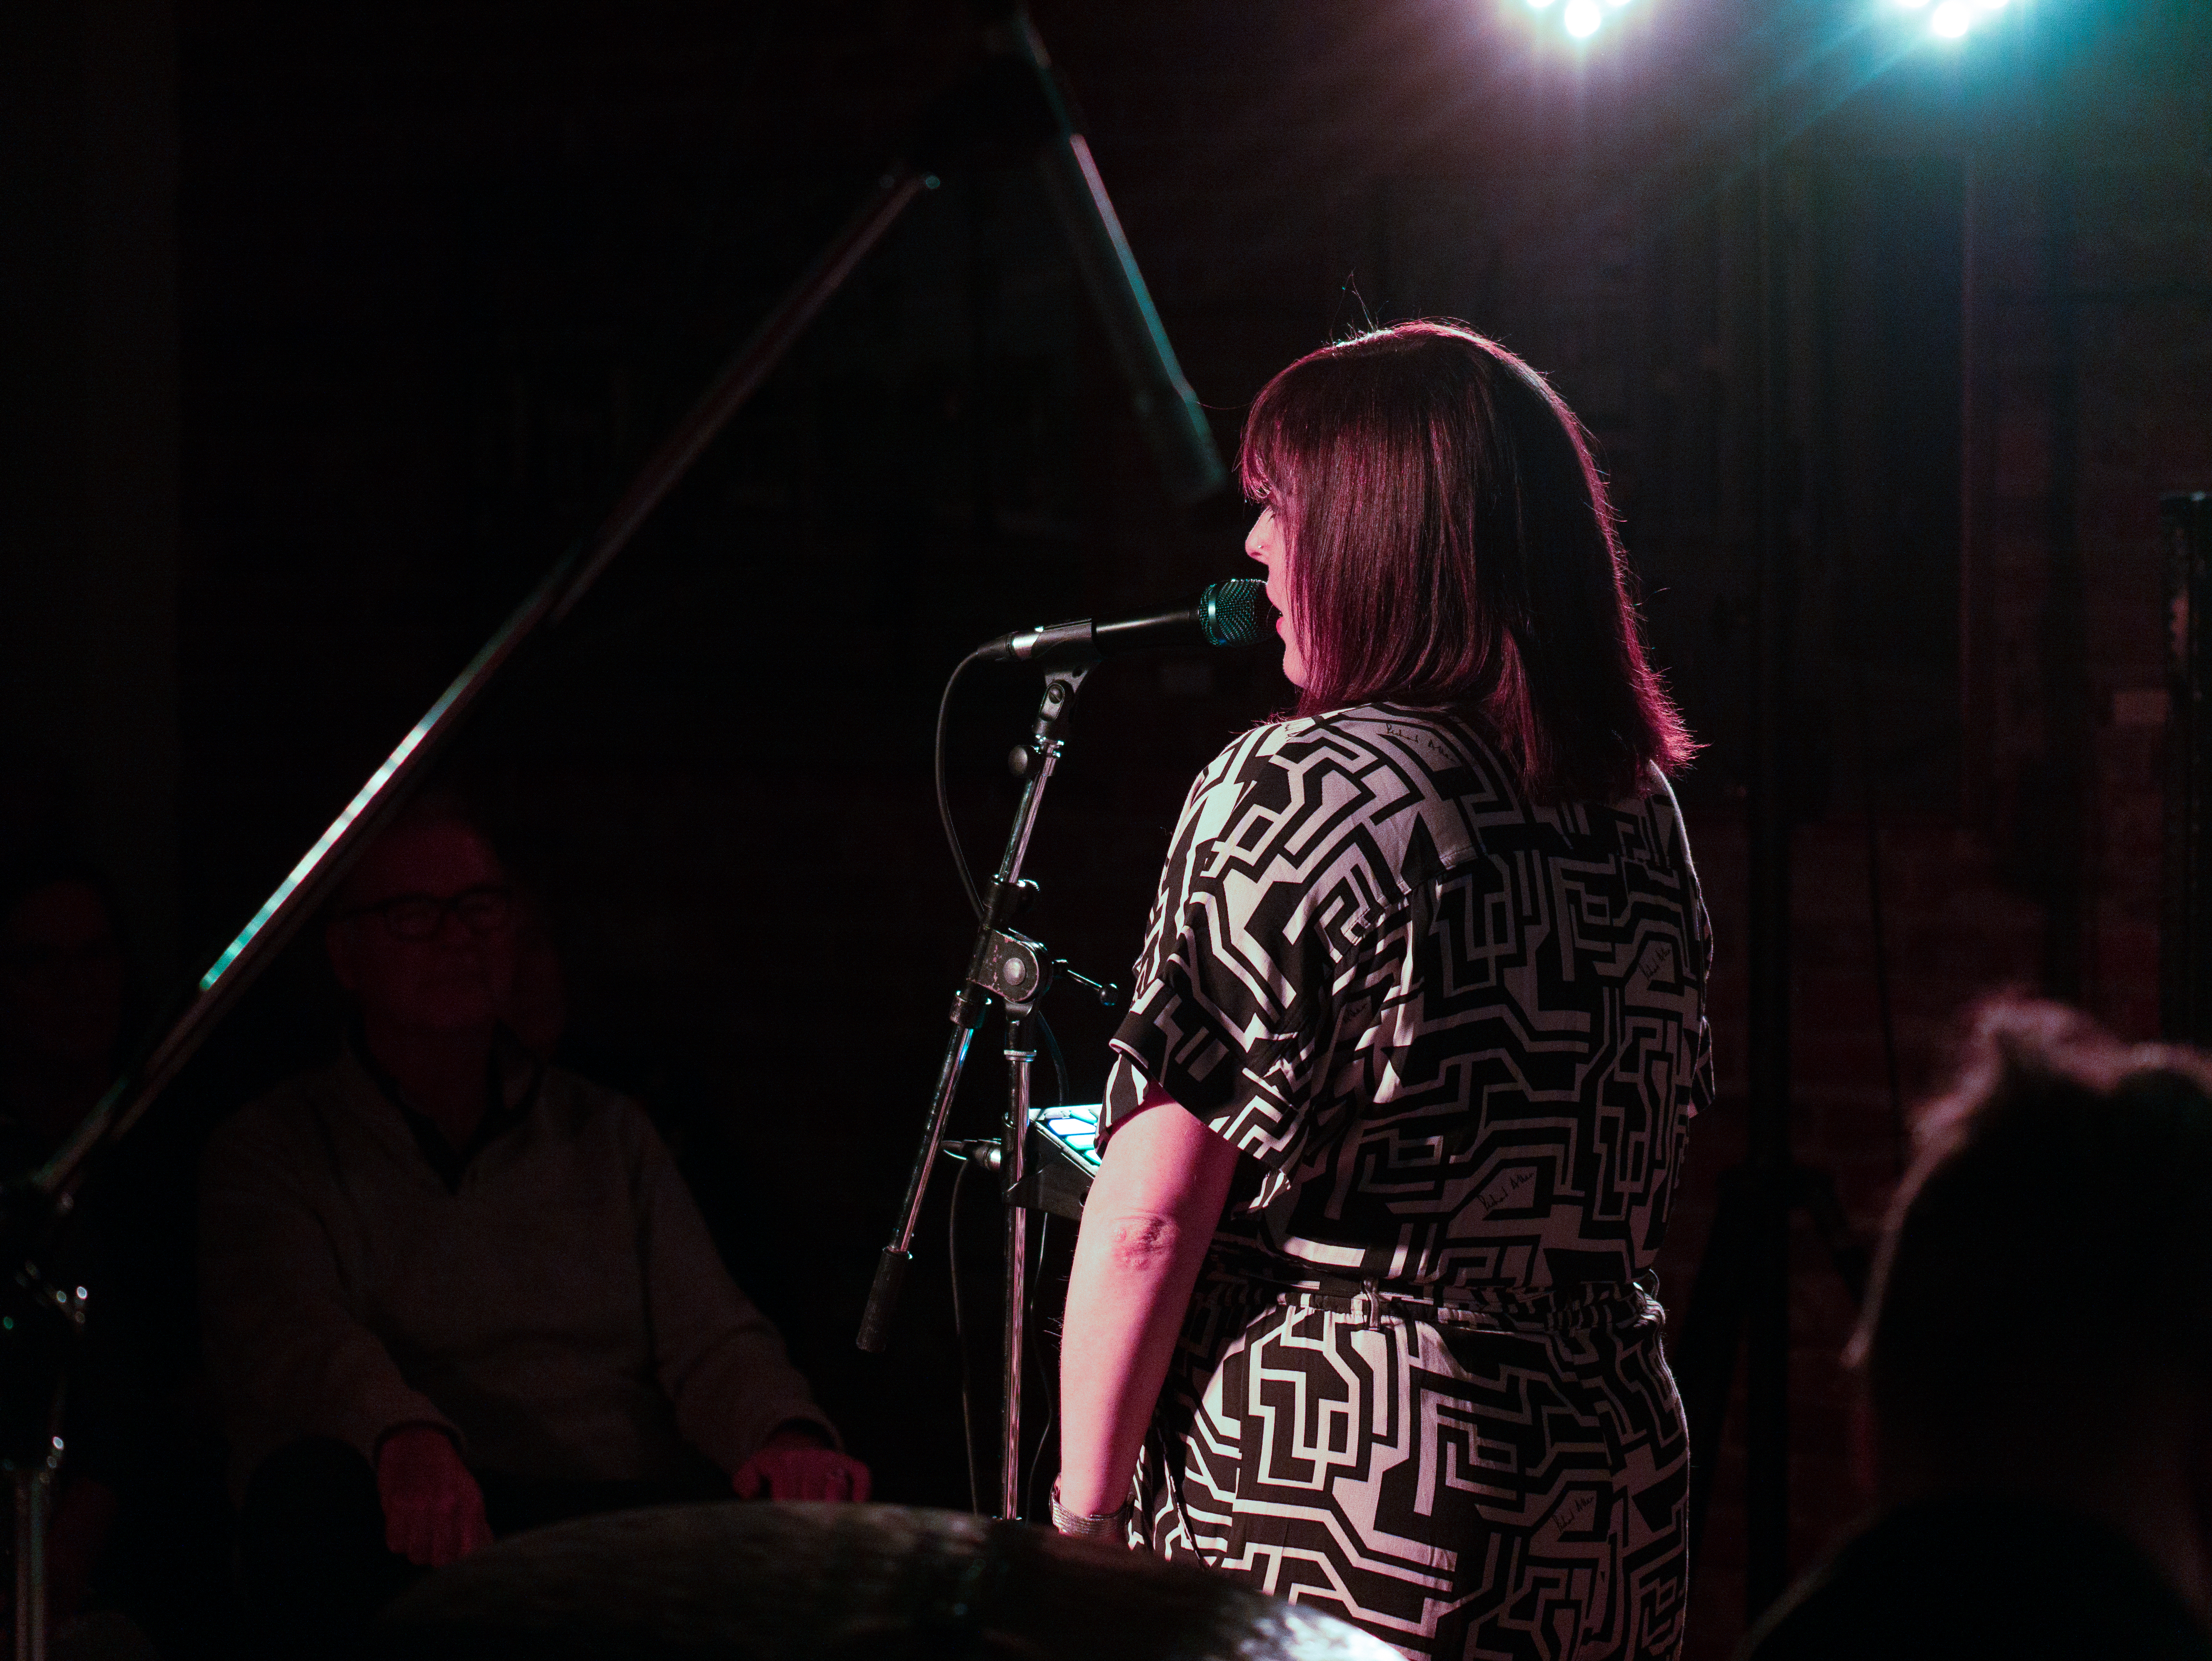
[1013, 970]
[1021, 1054]
[34, 1489]
[43, 1322]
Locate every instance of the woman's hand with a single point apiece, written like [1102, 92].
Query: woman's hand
[1147, 1222]
[434, 1511]
[798, 1464]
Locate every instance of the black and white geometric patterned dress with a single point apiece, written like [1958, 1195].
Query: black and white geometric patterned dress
[1461, 1036]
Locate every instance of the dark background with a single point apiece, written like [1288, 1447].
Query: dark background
[328, 329]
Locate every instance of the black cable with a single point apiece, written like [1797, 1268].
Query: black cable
[1059, 1061]
[960, 1341]
[944, 802]
[1060, 1076]
[960, 857]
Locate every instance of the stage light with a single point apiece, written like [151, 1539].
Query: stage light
[1580, 19]
[1949, 20]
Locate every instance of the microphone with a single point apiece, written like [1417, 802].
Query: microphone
[1232, 613]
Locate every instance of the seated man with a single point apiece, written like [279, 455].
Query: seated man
[450, 1291]
[2038, 1348]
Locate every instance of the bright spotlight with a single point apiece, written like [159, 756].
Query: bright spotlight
[1951, 20]
[1581, 19]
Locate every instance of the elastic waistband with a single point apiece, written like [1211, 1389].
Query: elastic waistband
[1569, 1309]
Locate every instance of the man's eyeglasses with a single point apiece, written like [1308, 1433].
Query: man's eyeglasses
[484, 910]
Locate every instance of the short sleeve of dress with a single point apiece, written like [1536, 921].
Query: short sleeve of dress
[1232, 1000]
[1699, 1092]
[1694, 1082]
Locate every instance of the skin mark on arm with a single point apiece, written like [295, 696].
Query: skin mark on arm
[1144, 1242]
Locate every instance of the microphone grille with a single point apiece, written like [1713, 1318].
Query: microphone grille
[1235, 612]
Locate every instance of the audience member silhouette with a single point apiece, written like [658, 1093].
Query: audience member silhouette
[2037, 1353]
[451, 1290]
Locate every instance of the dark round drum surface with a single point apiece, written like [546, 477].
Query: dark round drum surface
[841, 1582]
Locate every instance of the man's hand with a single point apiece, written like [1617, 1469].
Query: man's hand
[434, 1511]
[798, 1464]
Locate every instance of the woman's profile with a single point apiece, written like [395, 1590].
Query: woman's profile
[1361, 1309]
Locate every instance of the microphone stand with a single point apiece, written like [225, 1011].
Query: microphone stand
[1013, 970]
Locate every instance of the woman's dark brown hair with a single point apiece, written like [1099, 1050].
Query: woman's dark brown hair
[1451, 546]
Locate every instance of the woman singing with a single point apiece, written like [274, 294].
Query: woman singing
[1362, 1298]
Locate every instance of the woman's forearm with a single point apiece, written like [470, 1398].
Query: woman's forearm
[1125, 1297]
[1146, 1224]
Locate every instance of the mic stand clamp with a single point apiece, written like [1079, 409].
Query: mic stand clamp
[1013, 970]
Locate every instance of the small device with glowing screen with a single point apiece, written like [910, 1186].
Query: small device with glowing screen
[1073, 1131]
[1063, 1158]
